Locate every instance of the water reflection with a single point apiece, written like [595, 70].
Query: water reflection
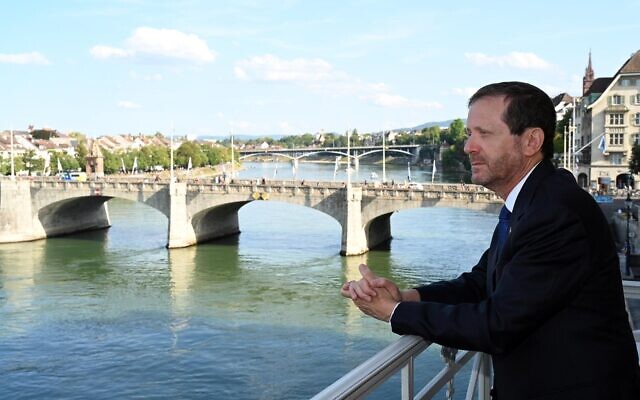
[20, 265]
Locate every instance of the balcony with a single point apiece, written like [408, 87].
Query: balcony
[616, 108]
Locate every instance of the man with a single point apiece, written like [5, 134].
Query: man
[545, 300]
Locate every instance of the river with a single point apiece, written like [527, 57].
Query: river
[114, 314]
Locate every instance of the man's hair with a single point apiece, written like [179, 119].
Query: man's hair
[529, 107]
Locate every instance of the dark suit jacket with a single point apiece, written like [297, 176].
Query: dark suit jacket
[549, 309]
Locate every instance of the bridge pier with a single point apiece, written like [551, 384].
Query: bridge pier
[354, 239]
[181, 232]
[16, 217]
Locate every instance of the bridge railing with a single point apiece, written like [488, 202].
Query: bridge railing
[400, 355]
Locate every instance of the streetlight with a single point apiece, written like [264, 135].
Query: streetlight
[628, 203]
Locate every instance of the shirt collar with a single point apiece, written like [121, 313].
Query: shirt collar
[510, 202]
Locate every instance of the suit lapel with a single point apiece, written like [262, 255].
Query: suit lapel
[524, 199]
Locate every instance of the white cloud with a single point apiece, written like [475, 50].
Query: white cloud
[128, 104]
[159, 44]
[271, 68]
[105, 52]
[24, 58]
[319, 75]
[515, 59]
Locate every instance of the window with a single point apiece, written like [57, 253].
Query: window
[636, 98]
[616, 119]
[636, 119]
[636, 139]
[616, 159]
[616, 139]
[616, 99]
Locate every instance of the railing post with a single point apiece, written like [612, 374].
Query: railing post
[406, 378]
[484, 379]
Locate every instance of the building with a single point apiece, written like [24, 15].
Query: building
[608, 126]
[562, 103]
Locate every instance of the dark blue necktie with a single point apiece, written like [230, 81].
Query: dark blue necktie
[503, 227]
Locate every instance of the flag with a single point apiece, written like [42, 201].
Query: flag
[47, 164]
[189, 165]
[124, 169]
[433, 170]
[59, 166]
[134, 169]
[602, 145]
[409, 171]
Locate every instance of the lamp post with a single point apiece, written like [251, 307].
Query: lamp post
[628, 202]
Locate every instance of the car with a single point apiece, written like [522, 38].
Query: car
[415, 186]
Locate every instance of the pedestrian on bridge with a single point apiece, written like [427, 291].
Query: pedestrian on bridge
[545, 300]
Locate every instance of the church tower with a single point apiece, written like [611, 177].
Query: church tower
[95, 161]
[588, 78]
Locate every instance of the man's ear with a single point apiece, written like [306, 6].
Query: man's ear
[533, 139]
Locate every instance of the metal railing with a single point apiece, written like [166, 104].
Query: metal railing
[400, 356]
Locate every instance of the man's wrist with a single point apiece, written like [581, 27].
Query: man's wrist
[392, 311]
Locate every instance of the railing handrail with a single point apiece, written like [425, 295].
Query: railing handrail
[374, 371]
[400, 355]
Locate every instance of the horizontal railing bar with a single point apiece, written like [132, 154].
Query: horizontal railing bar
[444, 376]
[371, 373]
[631, 289]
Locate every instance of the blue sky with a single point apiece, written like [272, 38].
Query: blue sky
[289, 67]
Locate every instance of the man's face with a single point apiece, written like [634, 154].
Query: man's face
[496, 155]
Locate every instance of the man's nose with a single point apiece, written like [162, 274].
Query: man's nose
[470, 145]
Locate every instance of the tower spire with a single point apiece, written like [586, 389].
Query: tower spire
[588, 78]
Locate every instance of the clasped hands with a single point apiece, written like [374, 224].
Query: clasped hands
[373, 295]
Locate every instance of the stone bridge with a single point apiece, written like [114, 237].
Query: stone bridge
[199, 212]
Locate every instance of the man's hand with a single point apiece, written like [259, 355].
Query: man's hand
[380, 307]
[366, 288]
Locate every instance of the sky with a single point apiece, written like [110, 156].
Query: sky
[251, 67]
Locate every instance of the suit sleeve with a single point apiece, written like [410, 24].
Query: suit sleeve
[548, 258]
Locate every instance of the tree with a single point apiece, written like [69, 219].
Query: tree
[67, 162]
[634, 163]
[217, 155]
[111, 162]
[564, 123]
[81, 154]
[190, 150]
[45, 134]
[456, 132]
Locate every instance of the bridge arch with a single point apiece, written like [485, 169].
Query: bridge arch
[267, 154]
[386, 151]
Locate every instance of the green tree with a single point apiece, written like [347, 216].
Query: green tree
[558, 140]
[31, 163]
[81, 154]
[456, 132]
[190, 150]
[217, 155]
[111, 162]
[67, 162]
[45, 134]
[634, 163]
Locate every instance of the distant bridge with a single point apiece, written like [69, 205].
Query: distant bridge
[356, 153]
[199, 212]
